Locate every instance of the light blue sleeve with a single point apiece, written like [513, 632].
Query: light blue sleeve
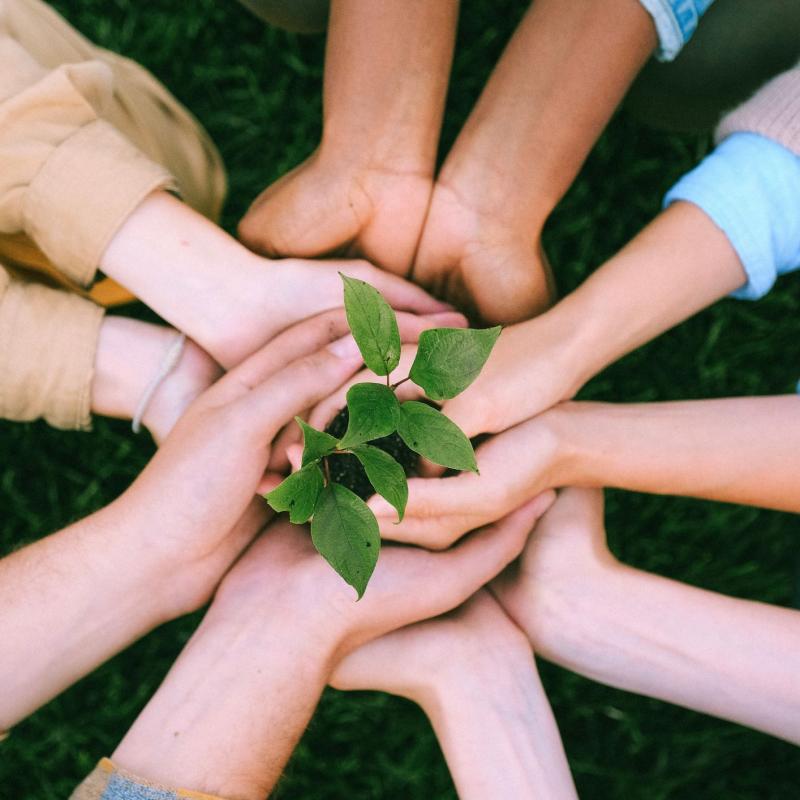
[675, 21]
[750, 187]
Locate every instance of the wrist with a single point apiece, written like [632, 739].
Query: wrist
[471, 669]
[475, 175]
[564, 615]
[347, 151]
[129, 353]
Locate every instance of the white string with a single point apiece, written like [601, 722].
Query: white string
[171, 358]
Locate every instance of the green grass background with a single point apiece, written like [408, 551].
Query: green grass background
[258, 92]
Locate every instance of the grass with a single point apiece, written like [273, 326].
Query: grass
[257, 91]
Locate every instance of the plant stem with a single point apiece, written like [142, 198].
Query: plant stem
[394, 386]
[327, 470]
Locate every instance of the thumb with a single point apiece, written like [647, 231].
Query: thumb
[272, 404]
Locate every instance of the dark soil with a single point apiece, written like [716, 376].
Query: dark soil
[347, 469]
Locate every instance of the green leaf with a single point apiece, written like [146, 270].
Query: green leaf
[449, 359]
[385, 474]
[298, 494]
[345, 532]
[373, 324]
[317, 443]
[372, 410]
[431, 434]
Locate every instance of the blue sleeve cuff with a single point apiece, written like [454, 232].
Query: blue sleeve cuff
[750, 187]
[675, 21]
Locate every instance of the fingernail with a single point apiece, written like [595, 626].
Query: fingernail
[345, 348]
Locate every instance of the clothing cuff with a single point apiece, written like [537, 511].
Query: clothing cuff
[108, 782]
[750, 187]
[774, 112]
[675, 21]
[48, 342]
[84, 192]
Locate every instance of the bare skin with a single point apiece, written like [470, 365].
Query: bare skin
[473, 675]
[365, 191]
[253, 673]
[581, 608]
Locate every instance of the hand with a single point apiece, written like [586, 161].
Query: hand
[473, 674]
[421, 660]
[284, 576]
[515, 466]
[228, 300]
[253, 672]
[562, 562]
[186, 506]
[332, 206]
[477, 257]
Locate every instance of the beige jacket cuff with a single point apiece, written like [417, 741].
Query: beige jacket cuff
[774, 112]
[48, 343]
[68, 179]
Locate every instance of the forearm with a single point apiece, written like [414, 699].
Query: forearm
[731, 658]
[231, 710]
[741, 450]
[68, 603]
[497, 730]
[559, 80]
[187, 269]
[386, 73]
[678, 265]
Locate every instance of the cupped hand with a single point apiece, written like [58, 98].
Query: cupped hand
[282, 574]
[271, 296]
[565, 557]
[414, 661]
[515, 467]
[201, 483]
[335, 206]
[474, 255]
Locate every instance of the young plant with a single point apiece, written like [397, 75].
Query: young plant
[343, 528]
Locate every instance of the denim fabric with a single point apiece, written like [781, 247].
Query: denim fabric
[123, 788]
[675, 21]
[750, 187]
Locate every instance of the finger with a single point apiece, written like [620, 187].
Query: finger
[485, 553]
[399, 293]
[289, 435]
[434, 533]
[294, 343]
[270, 405]
[268, 482]
[432, 497]
[295, 456]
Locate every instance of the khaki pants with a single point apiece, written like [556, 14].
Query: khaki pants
[141, 109]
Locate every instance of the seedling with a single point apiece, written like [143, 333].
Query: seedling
[343, 528]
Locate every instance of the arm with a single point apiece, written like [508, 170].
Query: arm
[231, 710]
[739, 450]
[368, 185]
[732, 658]
[679, 264]
[225, 298]
[559, 80]
[473, 675]
[76, 598]
[742, 450]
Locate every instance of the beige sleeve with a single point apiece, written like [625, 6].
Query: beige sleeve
[48, 342]
[68, 179]
[773, 111]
